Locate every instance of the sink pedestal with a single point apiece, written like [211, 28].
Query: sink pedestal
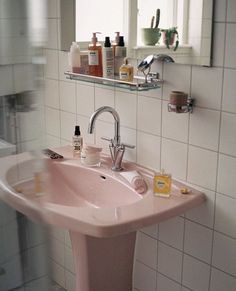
[103, 264]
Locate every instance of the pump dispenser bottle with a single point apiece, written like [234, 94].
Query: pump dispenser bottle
[115, 42]
[77, 141]
[120, 54]
[107, 59]
[95, 57]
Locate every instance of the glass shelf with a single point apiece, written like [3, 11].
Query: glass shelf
[138, 84]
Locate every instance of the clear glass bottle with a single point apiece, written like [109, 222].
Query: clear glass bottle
[77, 142]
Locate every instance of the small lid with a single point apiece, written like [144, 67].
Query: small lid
[77, 130]
[74, 47]
[117, 37]
[94, 38]
[121, 41]
[107, 42]
[126, 62]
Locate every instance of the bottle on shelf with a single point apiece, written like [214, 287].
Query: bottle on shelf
[126, 71]
[95, 57]
[115, 42]
[107, 59]
[74, 58]
[120, 54]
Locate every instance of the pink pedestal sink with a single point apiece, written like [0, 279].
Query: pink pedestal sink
[100, 209]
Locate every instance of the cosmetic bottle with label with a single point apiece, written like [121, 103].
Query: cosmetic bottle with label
[74, 58]
[120, 54]
[77, 142]
[162, 184]
[126, 72]
[107, 59]
[115, 42]
[95, 57]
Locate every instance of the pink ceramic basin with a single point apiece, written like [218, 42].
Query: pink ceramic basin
[93, 201]
[71, 185]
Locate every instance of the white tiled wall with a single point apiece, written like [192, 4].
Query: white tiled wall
[196, 251]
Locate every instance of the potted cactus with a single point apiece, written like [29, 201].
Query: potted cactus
[170, 36]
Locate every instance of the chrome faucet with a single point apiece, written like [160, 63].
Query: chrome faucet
[117, 149]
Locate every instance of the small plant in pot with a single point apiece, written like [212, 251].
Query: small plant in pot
[170, 37]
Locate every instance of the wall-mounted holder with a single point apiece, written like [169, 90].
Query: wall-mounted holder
[188, 107]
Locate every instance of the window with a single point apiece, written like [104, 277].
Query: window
[104, 16]
[107, 16]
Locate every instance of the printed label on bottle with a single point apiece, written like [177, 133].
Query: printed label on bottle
[93, 58]
[124, 76]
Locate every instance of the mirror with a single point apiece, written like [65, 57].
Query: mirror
[195, 31]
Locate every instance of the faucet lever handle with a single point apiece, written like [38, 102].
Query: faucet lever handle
[129, 146]
[107, 139]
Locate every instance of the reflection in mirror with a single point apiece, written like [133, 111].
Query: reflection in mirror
[192, 18]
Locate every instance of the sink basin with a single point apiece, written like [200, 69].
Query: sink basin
[98, 206]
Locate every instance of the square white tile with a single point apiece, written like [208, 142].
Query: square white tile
[231, 11]
[126, 106]
[196, 275]
[144, 278]
[57, 251]
[221, 281]
[226, 175]
[85, 99]
[165, 284]
[151, 230]
[68, 122]
[229, 88]
[69, 260]
[52, 66]
[52, 93]
[67, 96]
[206, 86]
[204, 128]
[146, 250]
[129, 136]
[228, 134]
[169, 262]
[149, 115]
[52, 34]
[224, 253]
[174, 158]
[230, 61]
[176, 78]
[148, 150]
[171, 232]
[104, 97]
[70, 281]
[204, 214]
[58, 274]
[52, 8]
[198, 241]
[225, 218]
[202, 165]
[52, 117]
[174, 126]
[6, 80]
[220, 10]
[218, 44]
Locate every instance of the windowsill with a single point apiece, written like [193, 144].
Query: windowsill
[181, 54]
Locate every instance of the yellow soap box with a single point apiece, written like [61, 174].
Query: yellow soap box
[162, 184]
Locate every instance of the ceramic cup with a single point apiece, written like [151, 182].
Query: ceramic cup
[178, 98]
[150, 36]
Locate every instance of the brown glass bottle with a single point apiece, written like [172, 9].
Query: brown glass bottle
[95, 57]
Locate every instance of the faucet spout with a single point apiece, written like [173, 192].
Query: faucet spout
[116, 148]
[111, 110]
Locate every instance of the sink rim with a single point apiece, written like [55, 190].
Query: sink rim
[100, 222]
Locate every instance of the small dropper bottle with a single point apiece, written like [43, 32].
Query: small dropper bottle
[77, 141]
